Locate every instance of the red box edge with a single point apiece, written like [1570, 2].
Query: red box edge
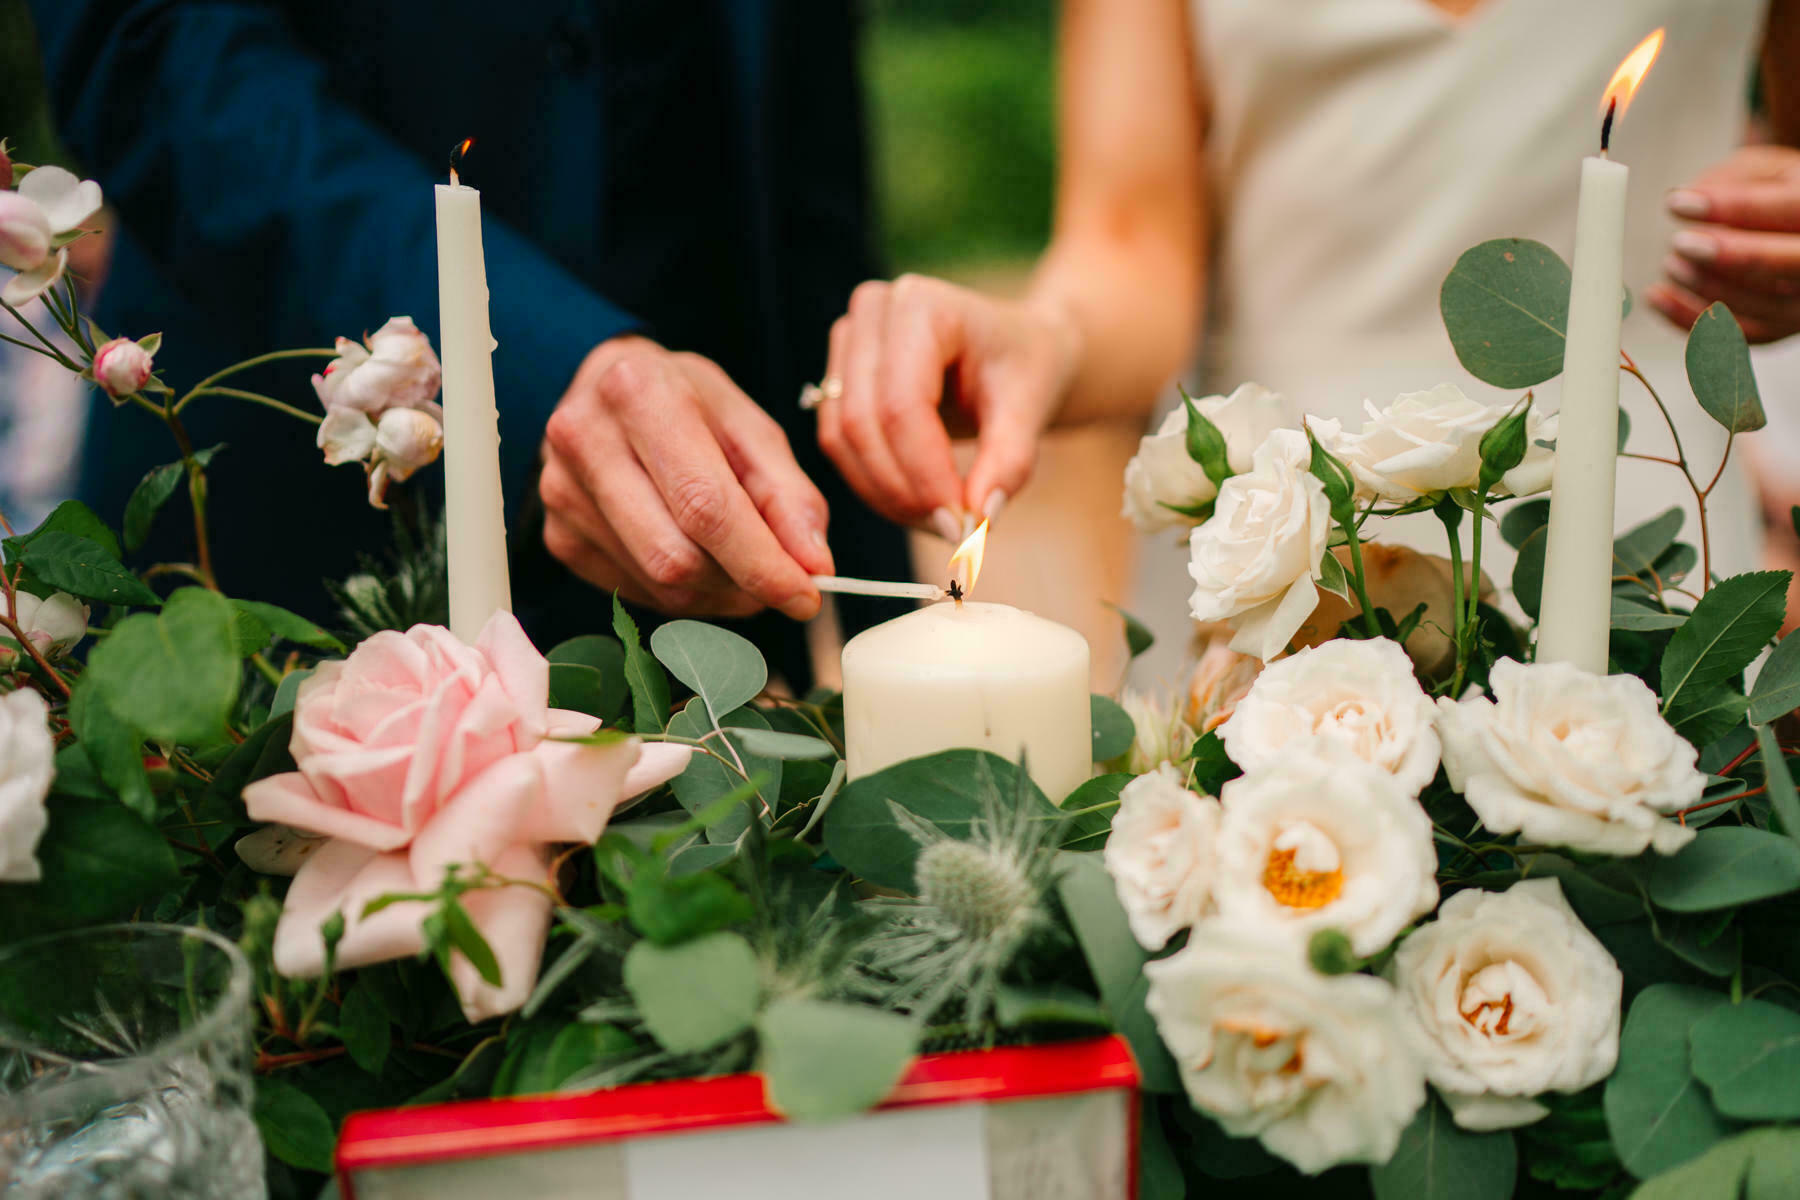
[477, 1128]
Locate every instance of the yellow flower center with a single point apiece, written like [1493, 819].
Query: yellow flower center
[1295, 887]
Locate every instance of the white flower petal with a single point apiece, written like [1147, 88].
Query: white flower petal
[67, 199]
[29, 285]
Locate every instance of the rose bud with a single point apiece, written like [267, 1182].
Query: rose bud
[121, 367]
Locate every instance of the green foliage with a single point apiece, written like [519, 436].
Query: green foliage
[1636, 550]
[1503, 447]
[649, 686]
[1777, 689]
[99, 860]
[1340, 484]
[1528, 571]
[294, 1128]
[154, 491]
[288, 626]
[1439, 1160]
[1138, 637]
[826, 1060]
[1205, 444]
[1112, 726]
[1724, 868]
[1091, 807]
[720, 667]
[1718, 369]
[73, 518]
[1332, 576]
[1728, 629]
[1749, 1056]
[1505, 305]
[696, 994]
[1658, 1113]
[363, 1025]
[1523, 519]
[1762, 1164]
[706, 778]
[587, 674]
[171, 675]
[82, 567]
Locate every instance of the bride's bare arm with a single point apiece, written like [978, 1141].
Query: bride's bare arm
[1112, 310]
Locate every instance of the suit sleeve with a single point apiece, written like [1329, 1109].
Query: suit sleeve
[282, 213]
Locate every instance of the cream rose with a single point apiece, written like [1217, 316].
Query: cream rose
[1317, 1067]
[1571, 759]
[27, 765]
[1321, 842]
[1344, 697]
[1510, 997]
[1429, 442]
[35, 222]
[53, 624]
[1253, 564]
[396, 369]
[1162, 472]
[1160, 855]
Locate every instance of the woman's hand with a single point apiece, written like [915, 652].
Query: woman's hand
[900, 353]
[1744, 245]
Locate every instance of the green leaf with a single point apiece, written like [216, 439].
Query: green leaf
[1095, 801]
[469, 943]
[1749, 1055]
[1047, 1004]
[77, 519]
[1780, 781]
[1503, 447]
[1716, 1175]
[1705, 716]
[1340, 485]
[1528, 572]
[153, 491]
[1524, 519]
[723, 668]
[695, 995]
[1332, 577]
[1138, 637]
[171, 675]
[1777, 689]
[550, 1062]
[290, 627]
[670, 911]
[1728, 629]
[289, 690]
[945, 789]
[294, 1127]
[1116, 962]
[826, 1060]
[114, 748]
[1723, 868]
[588, 675]
[1636, 550]
[83, 567]
[1658, 1113]
[1635, 616]
[1212, 768]
[1506, 308]
[649, 686]
[1113, 728]
[705, 779]
[1205, 444]
[1718, 369]
[363, 1025]
[248, 634]
[99, 860]
[1439, 1160]
[775, 744]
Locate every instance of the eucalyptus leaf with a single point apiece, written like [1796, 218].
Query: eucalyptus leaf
[826, 1060]
[1723, 868]
[1719, 371]
[1637, 549]
[1659, 1115]
[1729, 627]
[288, 691]
[774, 744]
[1528, 572]
[1113, 728]
[706, 780]
[1439, 1160]
[1048, 1004]
[697, 994]
[1777, 689]
[1749, 1055]
[593, 679]
[723, 668]
[171, 675]
[84, 568]
[1505, 306]
[1634, 617]
[1091, 807]
[1523, 519]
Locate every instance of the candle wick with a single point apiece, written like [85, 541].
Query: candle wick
[956, 592]
[1606, 124]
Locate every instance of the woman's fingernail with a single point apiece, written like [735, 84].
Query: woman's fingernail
[1681, 271]
[946, 524]
[995, 502]
[818, 539]
[1684, 203]
[1700, 247]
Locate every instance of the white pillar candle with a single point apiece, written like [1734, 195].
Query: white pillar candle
[474, 507]
[1576, 609]
[982, 676]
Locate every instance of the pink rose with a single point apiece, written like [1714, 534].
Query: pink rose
[24, 233]
[396, 369]
[122, 367]
[418, 751]
[49, 202]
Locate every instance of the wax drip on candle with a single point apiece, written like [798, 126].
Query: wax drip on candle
[456, 156]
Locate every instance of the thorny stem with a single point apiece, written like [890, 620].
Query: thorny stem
[273, 356]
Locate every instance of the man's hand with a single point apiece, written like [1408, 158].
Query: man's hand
[1744, 247]
[894, 353]
[661, 479]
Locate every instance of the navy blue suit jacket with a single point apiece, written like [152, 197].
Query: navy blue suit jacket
[690, 168]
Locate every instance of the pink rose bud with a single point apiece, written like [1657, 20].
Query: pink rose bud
[24, 232]
[121, 367]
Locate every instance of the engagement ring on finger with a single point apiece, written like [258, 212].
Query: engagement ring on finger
[815, 394]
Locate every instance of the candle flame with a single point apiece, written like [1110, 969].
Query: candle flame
[967, 558]
[456, 156]
[1630, 74]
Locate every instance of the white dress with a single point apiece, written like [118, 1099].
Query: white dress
[1357, 147]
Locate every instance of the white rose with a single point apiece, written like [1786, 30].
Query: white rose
[1162, 472]
[1510, 997]
[49, 203]
[1318, 842]
[1255, 561]
[1571, 759]
[407, 439]
[396, 370]
[346, 435]
[53, 624]
[122, 367]
[1429, 442]
[27, 764]
[1160, 855]
[1318, 1067]
[1355, 697]
[1161, 735]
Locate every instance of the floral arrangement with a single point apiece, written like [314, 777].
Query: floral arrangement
[1375, 896]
